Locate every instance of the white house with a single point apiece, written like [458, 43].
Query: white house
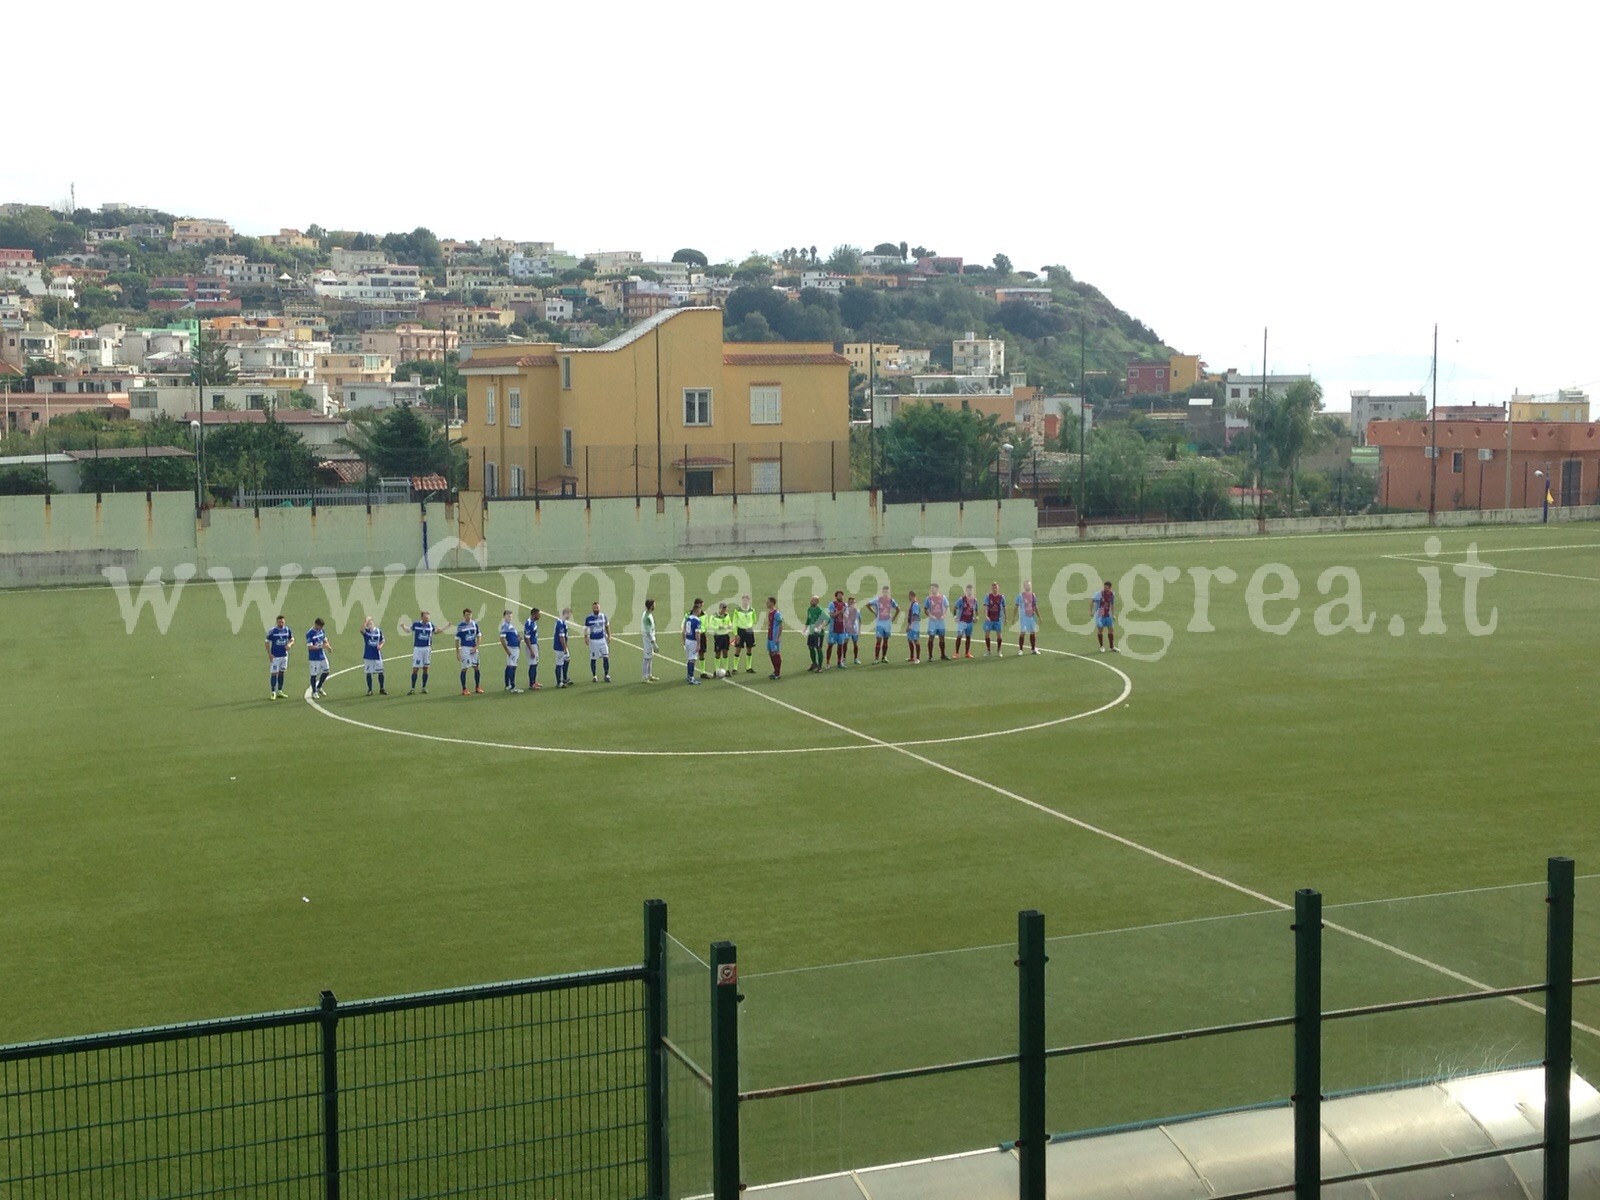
[558, 308]
[408, 393]
[973, 355]
[825, 281]
[349, 262]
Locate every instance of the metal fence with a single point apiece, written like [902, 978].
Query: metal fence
[691, 468]
[537, 1088]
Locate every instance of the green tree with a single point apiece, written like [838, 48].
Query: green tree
[213, 366]
[264, 456]
[25, 481]
[886, 248]
[691, 256]
[845, 260]
[1116, 471]
[930, 452]
[136, 473]
[1002, 266]
[403, 442]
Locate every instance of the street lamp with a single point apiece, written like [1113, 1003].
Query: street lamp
[1001, 462]
[194, 431]
[1546, 488]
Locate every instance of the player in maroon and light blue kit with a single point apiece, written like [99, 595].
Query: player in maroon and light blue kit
[1027, 617]
[935, 607]
[966, 614]
[884, 609]
[775, 637]
[838, 631]
[994, 620]
[1104, 603]
[913, 629]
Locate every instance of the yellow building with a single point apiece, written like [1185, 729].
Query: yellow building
[667, 407]
[1185, 370]
[338, 370]
[1568, 405]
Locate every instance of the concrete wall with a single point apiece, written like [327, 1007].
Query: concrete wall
[74, 539]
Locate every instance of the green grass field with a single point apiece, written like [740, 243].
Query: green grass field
[163, 821]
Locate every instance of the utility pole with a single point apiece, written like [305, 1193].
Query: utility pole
[1433, 434]
[1083, 400]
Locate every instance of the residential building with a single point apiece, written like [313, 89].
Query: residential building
[1467, 412]
[399, 393]
[277, 358]
[291, 239]
[470, 278]
[28, 341]
[1569, 404]
[189, 291]
[880, 262]
[14, 306]
[1185, 370]
[523, 265]
[350, 262]
[551, 420]
[60, 469]
[613, 262]
[497, 247]
[197, 231]
[1034, 297]
[557, 309]
[236, 270]
[410, 342]
[317, 431]
[340, 371]
[474, 323]
[177, 397]
[1486, 463]
[389, 285]
[1245, 387]
[15, 261]
[825, 281]
[940, 264]
[1149, 378]
[643, 299]
[973, 355]
[675, 275]
[1366, 408]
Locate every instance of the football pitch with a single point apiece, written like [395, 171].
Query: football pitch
[1376, 715]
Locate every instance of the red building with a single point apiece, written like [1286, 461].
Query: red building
[1486, 464]
[1149, 378]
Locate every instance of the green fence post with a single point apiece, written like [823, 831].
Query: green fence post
[1307, 1044]
[724, 1071]
[329, 1020]
[1031, 1139]
[655, 1063]
[1558, 1031]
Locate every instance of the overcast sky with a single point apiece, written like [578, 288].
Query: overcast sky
[1345, 176]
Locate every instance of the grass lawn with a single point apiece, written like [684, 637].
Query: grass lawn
[175, 846]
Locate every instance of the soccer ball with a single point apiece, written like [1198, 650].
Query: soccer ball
[720, 672]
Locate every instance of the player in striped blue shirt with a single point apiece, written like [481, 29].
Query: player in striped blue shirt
[598, 628]
[511, 643]
[279, 638]
[467, 635]
[317, 657]
[559, 642]
[692, 621]
[530, 635]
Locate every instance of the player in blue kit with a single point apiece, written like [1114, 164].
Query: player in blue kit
[372, 654]
[317, 657]
[422, 631]
[597, 627]
[279, 638]
[530, 635]
[692, 624]
[559, 642]
[511, 643]
[467, 636]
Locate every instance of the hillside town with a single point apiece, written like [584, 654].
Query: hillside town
[127, 317]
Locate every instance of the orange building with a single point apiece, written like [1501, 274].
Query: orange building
[1486, 464]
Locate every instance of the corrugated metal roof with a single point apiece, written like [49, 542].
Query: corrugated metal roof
[785, 360]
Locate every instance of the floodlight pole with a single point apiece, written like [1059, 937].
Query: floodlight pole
[1307, 1098]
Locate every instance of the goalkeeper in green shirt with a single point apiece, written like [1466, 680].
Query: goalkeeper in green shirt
[816, 626]
[744, 629]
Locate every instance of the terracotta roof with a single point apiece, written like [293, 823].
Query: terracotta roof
[522, 360]
[345, 470]
[429, 483]
[785, 360]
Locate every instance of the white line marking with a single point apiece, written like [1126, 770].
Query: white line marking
[1488, 568]
[1158, 855]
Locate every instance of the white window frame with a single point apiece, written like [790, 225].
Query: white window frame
[519, 486]
[488, 405]
[514, 407]
[697, 394]
[566, 447]
[491, 480]
[766, 404]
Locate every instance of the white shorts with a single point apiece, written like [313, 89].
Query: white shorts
[691, 649]
[562, 658]
[422, 656]
[469, 658]
[599, 648]
[513, 655]
[533, 654]
[374, 665]
[280, 664]
[319, 666]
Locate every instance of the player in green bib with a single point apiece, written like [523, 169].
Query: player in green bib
[744, 630]
[816, 625]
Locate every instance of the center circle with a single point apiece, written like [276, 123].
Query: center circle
[863, 742]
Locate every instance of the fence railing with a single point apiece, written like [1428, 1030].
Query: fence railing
[653, 1080]
[539, 1087]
